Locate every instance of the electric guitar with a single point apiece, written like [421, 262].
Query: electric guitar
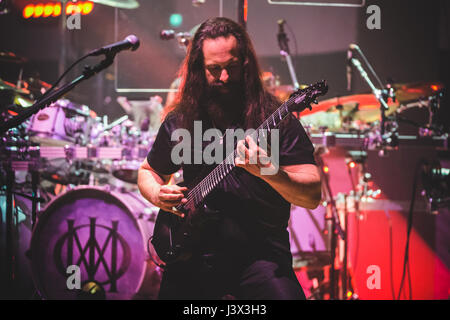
[174, 237]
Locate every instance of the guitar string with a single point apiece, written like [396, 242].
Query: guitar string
[215, 177]
[212, 179]
[200, 189]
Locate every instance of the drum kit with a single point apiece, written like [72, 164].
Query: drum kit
[83, 171]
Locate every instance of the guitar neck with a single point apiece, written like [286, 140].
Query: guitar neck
[207, 184]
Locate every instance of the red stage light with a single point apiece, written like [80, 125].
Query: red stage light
[38, 10]
[56, 10]
[48, 10]
[28, 11]
[87, 7]
[44, 10]
[72, 9]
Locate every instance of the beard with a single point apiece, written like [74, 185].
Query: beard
[224, 103]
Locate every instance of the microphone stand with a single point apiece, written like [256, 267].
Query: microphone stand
[54, 96]
[377, 93]
[284, 51]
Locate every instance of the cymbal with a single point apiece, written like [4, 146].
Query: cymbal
[415, 91]
[8, 86]
[10, 57]
[121, 4]
[344, 113]
[283, 92]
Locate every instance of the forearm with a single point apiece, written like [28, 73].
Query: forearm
[302, 189]
[149, 184]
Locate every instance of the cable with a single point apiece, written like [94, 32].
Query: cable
[62, 76]
[408, 233]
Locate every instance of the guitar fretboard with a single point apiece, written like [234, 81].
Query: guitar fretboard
[197, 194]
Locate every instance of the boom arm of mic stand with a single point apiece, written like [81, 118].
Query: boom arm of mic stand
[375, 91]
[291, 69]
[54, 96]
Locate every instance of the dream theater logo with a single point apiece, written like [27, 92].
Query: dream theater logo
[98, 249]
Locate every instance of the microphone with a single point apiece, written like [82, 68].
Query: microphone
[352, 47]
[129, 43]
[282, 37]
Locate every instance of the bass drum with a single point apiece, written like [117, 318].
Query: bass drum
[99, 238]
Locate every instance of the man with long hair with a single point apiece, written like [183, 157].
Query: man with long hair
[245, 253]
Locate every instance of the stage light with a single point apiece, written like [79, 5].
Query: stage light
[51, 9]
[56, 10]
[73, 8]
[38, 10]
[351, 164]
[175, 20]
[28, 11]
[48, 10]
[88, 7]
[326, 169]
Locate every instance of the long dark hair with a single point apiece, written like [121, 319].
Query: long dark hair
[259, 103]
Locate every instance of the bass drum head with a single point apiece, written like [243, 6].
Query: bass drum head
[101, 234]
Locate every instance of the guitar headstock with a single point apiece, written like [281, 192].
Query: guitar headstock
[302, 98]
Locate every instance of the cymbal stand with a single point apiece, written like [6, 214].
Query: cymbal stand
[336, 228]
[285, 52]
[56, 94]
[9, 254]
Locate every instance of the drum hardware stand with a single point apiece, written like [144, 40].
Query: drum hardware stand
[9, 167]
[336, 228]
[285, 52]
[56, 94]
[10, 268]
[387, 139]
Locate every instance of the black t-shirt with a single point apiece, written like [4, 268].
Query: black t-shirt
[254, 217]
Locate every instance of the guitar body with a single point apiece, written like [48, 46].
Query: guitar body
[175, 238]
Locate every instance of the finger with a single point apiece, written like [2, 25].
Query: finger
[251, 143]
[176, 212]
[182, 189]
[170, 197]
[171, 203]
[173, 189]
